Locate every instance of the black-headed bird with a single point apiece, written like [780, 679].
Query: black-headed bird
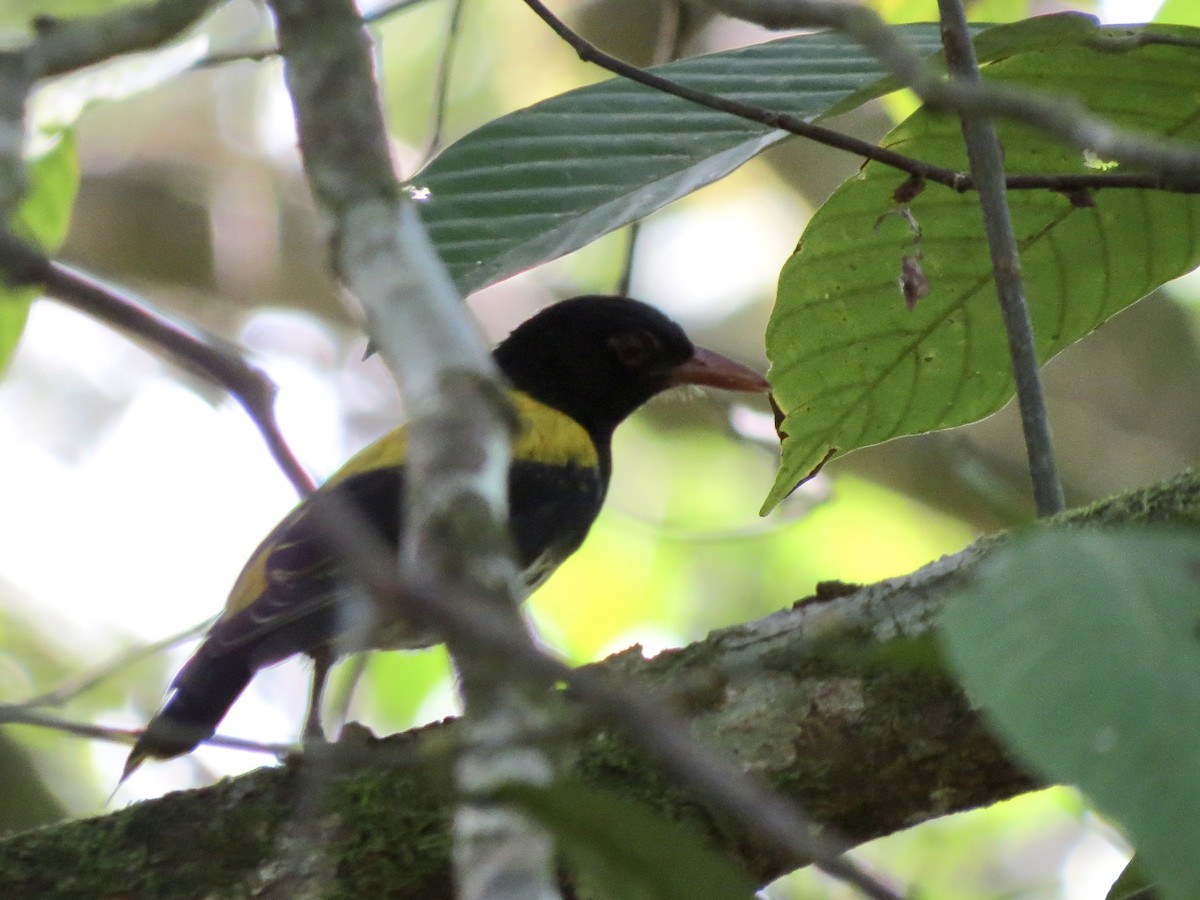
[575, 370]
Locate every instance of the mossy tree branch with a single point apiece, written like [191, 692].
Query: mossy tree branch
[839, 702]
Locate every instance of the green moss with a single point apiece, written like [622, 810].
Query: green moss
[1172, 502]
[375, 809]
[140, 851]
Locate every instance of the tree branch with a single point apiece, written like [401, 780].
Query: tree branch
[987, 166]
[838, 702]
[64, 45]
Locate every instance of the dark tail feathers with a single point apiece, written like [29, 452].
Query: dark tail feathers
[203, 692]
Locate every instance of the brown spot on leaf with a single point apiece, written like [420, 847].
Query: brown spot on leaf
[780, 415]
[913, 282]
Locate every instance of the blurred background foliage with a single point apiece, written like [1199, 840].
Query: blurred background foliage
[134, 492]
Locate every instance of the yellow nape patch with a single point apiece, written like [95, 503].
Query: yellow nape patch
[547, 436]
[389, 450]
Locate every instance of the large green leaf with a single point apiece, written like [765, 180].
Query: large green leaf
[549, 179]
[1083, 649]
[853, 366]
[42, 218]
[620, 850]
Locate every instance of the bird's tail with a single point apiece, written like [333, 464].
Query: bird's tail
[202, 693]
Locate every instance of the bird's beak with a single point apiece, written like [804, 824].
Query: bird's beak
[714, 370]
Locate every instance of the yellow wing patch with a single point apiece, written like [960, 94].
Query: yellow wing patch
[252, 581]
[547, 436]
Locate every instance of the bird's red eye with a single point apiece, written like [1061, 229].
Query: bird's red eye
[635, 349]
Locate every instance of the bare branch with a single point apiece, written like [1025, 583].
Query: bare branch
[672, 27]
[64, 45]
[249, 386]
[441, 84]
[987, 165]
[257, 54]
[22, 714]
[81, 684]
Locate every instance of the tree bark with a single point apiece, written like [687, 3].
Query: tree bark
[840, 702]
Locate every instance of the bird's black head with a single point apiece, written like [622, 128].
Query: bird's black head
[598, 358]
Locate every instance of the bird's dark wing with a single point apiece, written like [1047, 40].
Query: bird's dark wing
[293, 594]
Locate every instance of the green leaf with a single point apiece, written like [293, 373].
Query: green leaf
[546, 180]
[45, 215]
[992, 43]
[59, 102]
[624, 851]
[42, 218]
[1132, 880]
[1084, 649]
[853, 366]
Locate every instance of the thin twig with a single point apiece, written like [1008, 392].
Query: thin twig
[258, 54]
[20, 714]
[441, 84]
[589, 52]
[389, 9]
[987, 165]
[81, 684]
[667, 46]
[248, 385]
[64, 45]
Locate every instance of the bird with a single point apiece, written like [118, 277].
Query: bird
[574, 372]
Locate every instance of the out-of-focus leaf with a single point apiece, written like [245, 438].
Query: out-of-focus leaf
[19, 14]
[1181, 12]
[397, 684]
[623, 851]
[42, 218]
[59, 102]
[27, 802]
[1133, 879]
[852, 365]
[895, 11]
[545, 180]
[1083, 648]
